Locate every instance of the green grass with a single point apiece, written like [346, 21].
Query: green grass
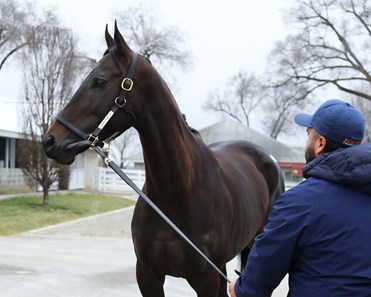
[19, 215]
[6, 191]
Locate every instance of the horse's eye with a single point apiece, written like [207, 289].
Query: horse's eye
[99, 82]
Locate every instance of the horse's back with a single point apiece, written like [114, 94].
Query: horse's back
[243, 155]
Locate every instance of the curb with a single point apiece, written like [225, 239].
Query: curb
[93, 217]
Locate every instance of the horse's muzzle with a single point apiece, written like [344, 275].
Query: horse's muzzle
[63, 153]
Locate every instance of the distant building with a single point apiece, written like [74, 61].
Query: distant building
[9, 134]
[290, 159]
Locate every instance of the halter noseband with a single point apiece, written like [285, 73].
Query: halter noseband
[120, 103]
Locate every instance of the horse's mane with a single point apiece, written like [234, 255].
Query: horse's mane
[193, 130]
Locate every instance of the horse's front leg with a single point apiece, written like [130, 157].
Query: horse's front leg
[208, 284]
[150, 285]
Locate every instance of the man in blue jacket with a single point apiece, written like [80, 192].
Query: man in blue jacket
[319, 232]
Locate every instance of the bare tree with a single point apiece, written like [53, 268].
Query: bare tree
[365, 107]
[50, 70]
[121, 146]
[161, 44]
[14, 28]
[240, 97]
[330, 48]
[280, 106]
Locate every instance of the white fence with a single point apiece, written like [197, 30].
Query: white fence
[12, 178]
[110, 182]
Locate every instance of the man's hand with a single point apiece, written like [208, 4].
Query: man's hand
[231, 289]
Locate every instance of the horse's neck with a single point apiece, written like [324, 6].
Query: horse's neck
[170, 150]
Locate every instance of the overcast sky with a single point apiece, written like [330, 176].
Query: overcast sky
[222, 36]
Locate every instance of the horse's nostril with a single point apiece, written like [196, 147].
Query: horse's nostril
[49, 142]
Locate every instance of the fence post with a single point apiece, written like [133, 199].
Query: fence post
[91, 163]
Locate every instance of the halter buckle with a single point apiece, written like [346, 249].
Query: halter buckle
[127, 84]
[118, 104]
[107, 161]
[94, 139]
[106, 146]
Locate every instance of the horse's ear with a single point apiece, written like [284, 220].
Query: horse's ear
[109, 40]
[120, 42]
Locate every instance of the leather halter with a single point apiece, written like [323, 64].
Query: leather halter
[120, 103]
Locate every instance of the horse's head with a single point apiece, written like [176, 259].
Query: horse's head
[104, 104]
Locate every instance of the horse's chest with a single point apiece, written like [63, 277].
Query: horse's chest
[158, 246]
[156, 237]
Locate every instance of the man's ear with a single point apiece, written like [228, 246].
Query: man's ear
[320, 145]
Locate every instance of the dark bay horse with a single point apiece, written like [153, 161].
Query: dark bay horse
[218, 195]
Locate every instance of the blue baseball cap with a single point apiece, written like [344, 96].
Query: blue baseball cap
[336, 120]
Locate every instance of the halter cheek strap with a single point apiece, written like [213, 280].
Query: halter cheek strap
[120, 103]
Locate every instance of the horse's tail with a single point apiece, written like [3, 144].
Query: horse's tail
[275, 189]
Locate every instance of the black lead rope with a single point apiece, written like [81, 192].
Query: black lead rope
[131, 184]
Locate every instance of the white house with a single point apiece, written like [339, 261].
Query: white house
[10, 133]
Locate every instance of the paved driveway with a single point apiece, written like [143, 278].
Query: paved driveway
[88, 257]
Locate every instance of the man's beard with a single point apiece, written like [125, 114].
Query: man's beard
[309, 154]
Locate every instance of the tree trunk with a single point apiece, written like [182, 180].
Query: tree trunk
[63, 177]
[45, 196]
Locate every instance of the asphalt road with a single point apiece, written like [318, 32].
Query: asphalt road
[88, 257]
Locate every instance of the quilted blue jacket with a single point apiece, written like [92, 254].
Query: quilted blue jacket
[319, 232]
